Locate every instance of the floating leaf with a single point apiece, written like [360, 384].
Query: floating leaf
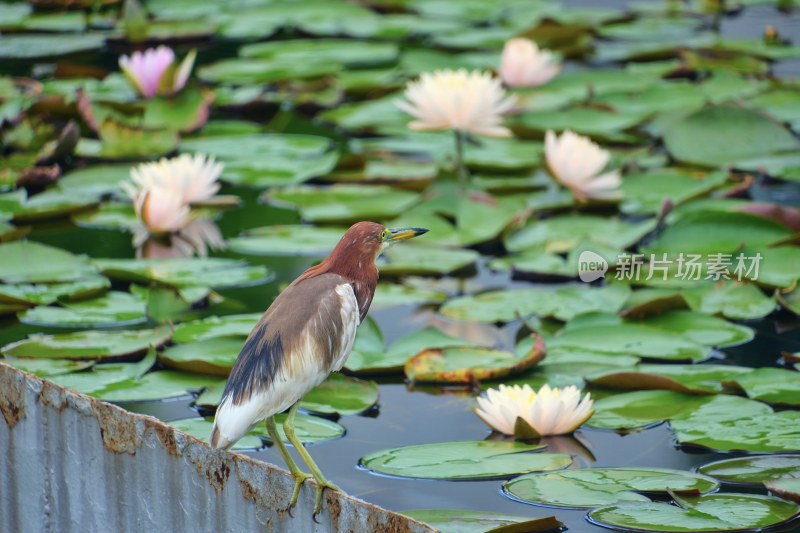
[215, 326]
[467, 364]
[690, 379]
[710, 512]
[595, 487]
[47, 293]
[104, 345]
[464, 460]
[309, 429]
[184, 272]
[47, 367]
[757, 432]
[562, 302]
[48, 45]
[646, 192]
[342, 395]
[287, 240]
[32, 262]
[738, 301]
[787, 488]
[562, 234]
[155, 386]
[421, 259]
[112, 309]
[770, 385]
[345, 203]
[645, 408]
[214, 356]
[103, 375]
[753, 470]
[467, 521]
[701, 328]
[631, 339]
[721, 135]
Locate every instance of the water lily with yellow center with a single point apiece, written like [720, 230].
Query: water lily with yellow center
[195, 178]
[465, 102]
[520, 411]
[154, 71]
[469, 102]
[524, 64]
[576, 162]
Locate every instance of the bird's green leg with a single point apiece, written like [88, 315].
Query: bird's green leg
[322, 483]
[299, 475]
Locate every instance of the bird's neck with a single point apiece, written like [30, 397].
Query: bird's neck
[360, 272]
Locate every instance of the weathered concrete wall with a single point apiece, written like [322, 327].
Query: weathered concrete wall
[72, 463]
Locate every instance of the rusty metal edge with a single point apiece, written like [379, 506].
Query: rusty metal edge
[262, 489]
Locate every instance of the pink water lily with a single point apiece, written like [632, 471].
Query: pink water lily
[577, 162]
[153, 71]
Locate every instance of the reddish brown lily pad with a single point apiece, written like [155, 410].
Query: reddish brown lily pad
[469, 364]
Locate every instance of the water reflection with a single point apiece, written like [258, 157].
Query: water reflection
[198, 238]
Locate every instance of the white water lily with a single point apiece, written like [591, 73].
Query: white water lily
[193, 177]
[524, 64]
[161, 210]
[153, 71]
[197, 238]
[576, 162]
[551, 411]
[459, 100]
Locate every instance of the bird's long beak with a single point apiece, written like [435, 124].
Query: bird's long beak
[401, 234]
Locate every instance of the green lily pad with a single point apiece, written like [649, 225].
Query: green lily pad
[753, 470]
[563, 233]
[469, 521]
[287, 240]
[186, 111]
[701, 328]
[710, 512]
[342, 395]
[721, 135]
[468, 364]
[47, 293]
[52, 204]
[48, 367]
[345, 203]
[593, 121]
[396, 294]
[641, 409]
[112, 309]
[787, 488]
[103, 345]
[420, 259]
[158, 385]
[761, 432]
[214, 356]
[95, 181]
[184, 272]
[770, 385]
[215, 326]
[561, 302]
[310, 429]
[595, 487]
[264, 160]
[645, 192]
[738, 301]
[717, 232]
[201, 428]
[690, 379]
[778, 266]
[48, 45]
[464, 460]
[123, 141]
[32, 262]
[103, 375]
[632, 339]
[325, 51]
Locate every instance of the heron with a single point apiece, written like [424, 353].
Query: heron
[307, 333]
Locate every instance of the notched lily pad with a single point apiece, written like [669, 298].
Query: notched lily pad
[215, 326]
[690, 379]
[104, 345]
[184, 272]
[468, 364]
[342, 395]
[753, 471]
[464, 460]
[214, 356]
[468, 521]
[707, 513]
[32, 262]
[114, 308]
[595, 487]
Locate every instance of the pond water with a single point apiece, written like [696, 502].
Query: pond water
[408, 414]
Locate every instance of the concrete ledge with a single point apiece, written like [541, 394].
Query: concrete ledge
[74, 463]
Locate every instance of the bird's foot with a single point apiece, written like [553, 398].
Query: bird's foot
[299, 479]
[323, 484]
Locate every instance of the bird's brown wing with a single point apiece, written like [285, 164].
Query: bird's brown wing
[311, 308]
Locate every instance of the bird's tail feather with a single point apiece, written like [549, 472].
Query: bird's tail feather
[218, 441]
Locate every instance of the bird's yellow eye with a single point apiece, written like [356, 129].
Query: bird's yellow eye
[385, 234]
